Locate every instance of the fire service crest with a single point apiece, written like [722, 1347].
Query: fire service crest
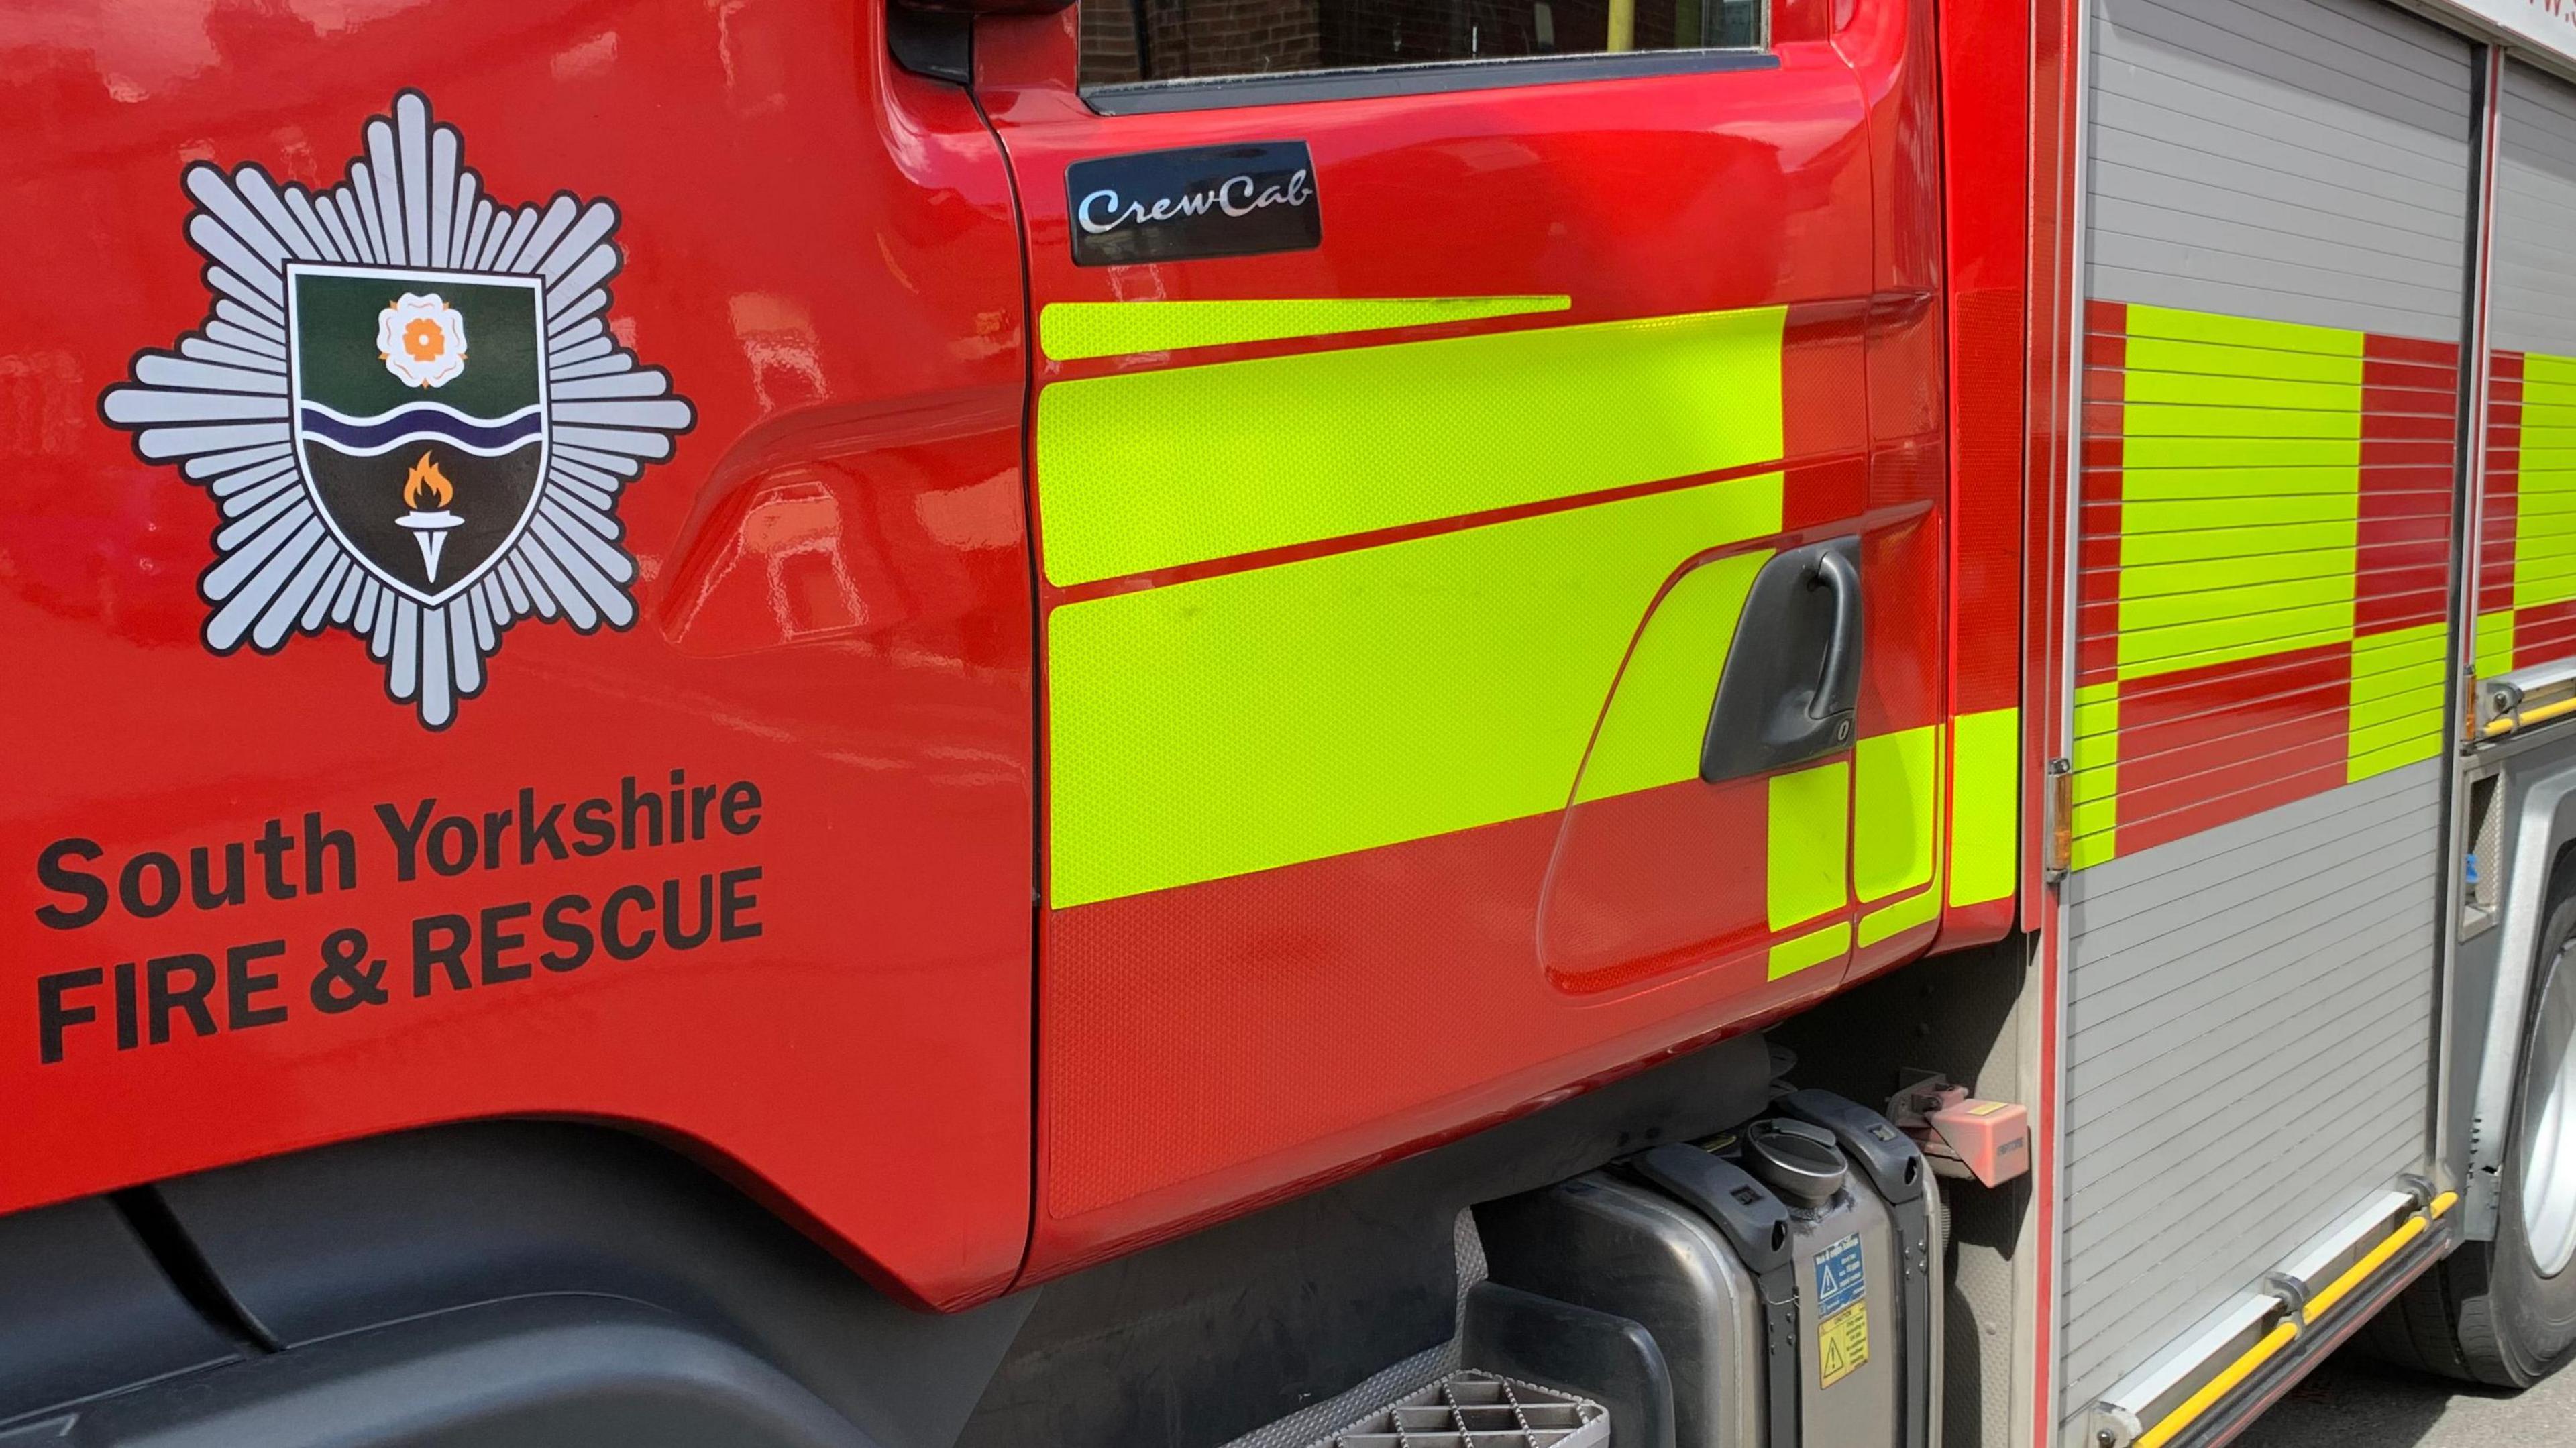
[408, 408]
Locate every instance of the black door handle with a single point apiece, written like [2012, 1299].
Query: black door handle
[1792, 676]
[1839, 685]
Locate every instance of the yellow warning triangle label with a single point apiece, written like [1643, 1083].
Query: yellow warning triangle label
[1842, 1344]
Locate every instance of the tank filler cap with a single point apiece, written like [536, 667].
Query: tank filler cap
[1798, 1161]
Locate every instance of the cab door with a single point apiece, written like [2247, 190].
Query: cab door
[1433, 405]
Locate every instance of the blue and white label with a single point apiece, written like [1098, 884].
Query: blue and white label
[1839, 1279]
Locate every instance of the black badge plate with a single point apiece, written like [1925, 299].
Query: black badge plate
[1199, 201]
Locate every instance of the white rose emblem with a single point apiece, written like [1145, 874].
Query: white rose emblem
[422, 340]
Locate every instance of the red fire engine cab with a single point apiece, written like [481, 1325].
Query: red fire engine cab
[942, 723]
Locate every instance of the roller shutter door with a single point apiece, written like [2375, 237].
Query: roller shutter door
[2277, 201]
[2527, 543]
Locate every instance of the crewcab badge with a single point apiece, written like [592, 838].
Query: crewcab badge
[1199, 201]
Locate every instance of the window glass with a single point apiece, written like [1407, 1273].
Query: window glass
[1126, 41]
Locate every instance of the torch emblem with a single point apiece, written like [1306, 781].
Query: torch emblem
[426, 493]
[409, 409]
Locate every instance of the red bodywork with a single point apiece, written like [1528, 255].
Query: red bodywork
[838, 606]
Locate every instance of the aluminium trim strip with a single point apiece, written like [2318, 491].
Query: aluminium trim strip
[2281, 1314]
[2219, 1387]
[2344, 1239]
[2468, 538]
[2074, 312]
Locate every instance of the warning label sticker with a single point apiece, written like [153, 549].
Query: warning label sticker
[1842, 1344]
[1839, 1283]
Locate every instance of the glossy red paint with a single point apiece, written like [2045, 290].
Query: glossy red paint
[1985, 116]
[834, 597]
[1208, 1047]
[1399, 1008]
[836, 605]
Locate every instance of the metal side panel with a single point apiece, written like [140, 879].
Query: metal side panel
[2249, 1055]
[2299, 160]
[2533, 304]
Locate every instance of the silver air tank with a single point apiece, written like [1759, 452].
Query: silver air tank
[1784, 1271]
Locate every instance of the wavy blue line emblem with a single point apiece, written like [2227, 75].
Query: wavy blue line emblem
[427, 421]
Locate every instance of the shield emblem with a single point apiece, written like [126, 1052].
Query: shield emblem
[409, 409]
[419, 410]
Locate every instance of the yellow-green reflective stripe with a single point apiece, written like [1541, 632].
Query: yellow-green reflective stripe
[2544, 524]
[1904, 915]
[1258, 719]
[1810, 843]
[1652, 731]
[2219, 331]
[2397, 697]
[2495, 643]
[1147, 470]
[1985, 808]
[2097, 774]
[1893, 781]
[1072, 331]
[1813, 948]
[2240, 441]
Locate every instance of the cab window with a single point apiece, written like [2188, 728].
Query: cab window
[1127, 42]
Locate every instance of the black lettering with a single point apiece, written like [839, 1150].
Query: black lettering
[160, 998]
[129, 1019]
[494, 822]
[406, 836]
[565, 926]
[701, 797]
[538, 829]
[202, 891]
[679, 807]
[497, 939]
[428, 950]
[672, 935]
[273, 847]
[88, 890]
[649, 804]
[732, 916]
[242, 985]
[349, 978]
[456, 855]
[598, 831]
[614, 940]
[129, 885]
[54, 1015]
[337, 844]
[741, 808]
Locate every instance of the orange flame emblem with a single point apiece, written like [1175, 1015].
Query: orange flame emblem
[426, 484]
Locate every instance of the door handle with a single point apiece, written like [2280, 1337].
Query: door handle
[1792, 675]
[1839, 685]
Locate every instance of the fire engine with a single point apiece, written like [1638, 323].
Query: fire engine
[957, 723]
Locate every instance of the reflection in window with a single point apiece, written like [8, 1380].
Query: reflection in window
[1124, 41]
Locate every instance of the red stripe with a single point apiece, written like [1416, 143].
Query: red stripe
[2097, 583]
[2503, 480]
[2200, 747]
[2544, 635]
[2409, 427]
